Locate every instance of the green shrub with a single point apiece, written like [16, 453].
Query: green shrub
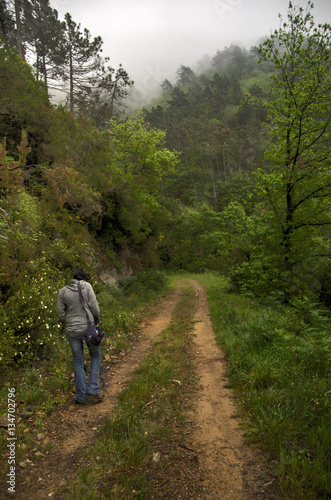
[145, 284]
[29, 322]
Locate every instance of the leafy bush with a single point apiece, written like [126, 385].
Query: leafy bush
[29, 323]
[201, 239]
[144, 284]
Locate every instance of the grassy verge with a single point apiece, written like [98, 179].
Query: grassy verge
[280, 370]
[137, 451]
[43, 384]
[29, 395]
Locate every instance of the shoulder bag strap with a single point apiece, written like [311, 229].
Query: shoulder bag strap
[82, 301]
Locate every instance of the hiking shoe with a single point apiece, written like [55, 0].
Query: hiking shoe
[80, 402]
[95, 398]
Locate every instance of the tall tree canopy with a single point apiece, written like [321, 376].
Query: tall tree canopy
[298, 182]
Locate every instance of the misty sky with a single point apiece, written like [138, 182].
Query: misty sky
[152, 38]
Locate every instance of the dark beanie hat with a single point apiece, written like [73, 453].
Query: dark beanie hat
[80, 274]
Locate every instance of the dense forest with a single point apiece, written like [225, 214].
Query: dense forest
[229, 171]
[253, 183]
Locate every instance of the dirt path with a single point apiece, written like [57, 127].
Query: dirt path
[228, 469]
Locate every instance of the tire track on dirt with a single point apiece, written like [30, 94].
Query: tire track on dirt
[74, 428]
[229, 469]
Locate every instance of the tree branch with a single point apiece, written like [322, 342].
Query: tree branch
[312, 195]
[274, 207]
[10, 169]
[327, 223]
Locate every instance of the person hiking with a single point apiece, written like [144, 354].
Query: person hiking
[71, 312]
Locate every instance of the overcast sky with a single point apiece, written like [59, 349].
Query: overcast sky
[152, 38]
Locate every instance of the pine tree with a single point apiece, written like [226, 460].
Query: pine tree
[44, 33]
[82, 61]
[114, 88]
[185, 75]
[7, 24]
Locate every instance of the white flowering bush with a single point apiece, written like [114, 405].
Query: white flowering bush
[29, 324]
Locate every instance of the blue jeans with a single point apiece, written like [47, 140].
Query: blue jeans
[77, 340]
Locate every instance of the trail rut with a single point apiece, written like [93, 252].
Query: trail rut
[229, 469]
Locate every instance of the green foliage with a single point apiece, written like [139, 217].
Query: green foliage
[219, 136]
[29, 325]
[204, 239]
[132, 203]
[122, 306]
[24, 105]
[67, 187]
[140, 150]
[297, 182]
[30, 236]
[33, 264]
[278, 172]
[105, 182]
[258, 85]
[147, 282]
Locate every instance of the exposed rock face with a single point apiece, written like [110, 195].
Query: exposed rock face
[112, 276]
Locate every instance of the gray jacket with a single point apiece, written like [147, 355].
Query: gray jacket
[70, 310]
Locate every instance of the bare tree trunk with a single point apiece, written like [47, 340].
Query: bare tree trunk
[224, 162]
[112, 100]
[45, 73]
[71, 80]
[19, 42]
[211, 171]
[3, 23]
[218, 166]
[194, 186]
[202, 163]
[38, 67]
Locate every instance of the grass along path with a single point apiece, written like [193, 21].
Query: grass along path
[279, 369]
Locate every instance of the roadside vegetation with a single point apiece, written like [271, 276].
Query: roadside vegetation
[279, 361]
